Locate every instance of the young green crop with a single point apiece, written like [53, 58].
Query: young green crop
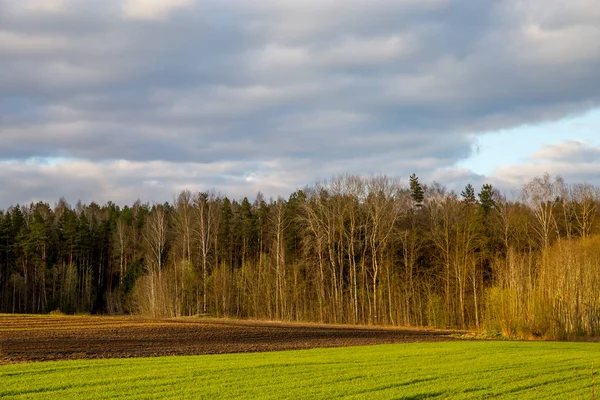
[458, 370]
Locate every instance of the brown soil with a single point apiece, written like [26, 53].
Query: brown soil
[41, 338]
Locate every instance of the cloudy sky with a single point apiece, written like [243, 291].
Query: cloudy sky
[118, 100]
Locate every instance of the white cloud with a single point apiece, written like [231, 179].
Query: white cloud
[575, 161]
[152, 9]
[44, 6]
[572, 150]
[124, 181]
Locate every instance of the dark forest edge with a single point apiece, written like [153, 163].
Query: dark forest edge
[359, 250]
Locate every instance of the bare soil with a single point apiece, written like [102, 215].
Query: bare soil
[25, 338]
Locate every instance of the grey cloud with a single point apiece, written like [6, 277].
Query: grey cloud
[377, 86]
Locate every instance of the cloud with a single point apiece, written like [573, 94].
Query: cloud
[346, 52]
[455, 178]
[294, 91]
[152, 9]
[44, 6]
[575, 161]
[573, 150]
[124, 181]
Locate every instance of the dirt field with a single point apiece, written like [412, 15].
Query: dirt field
[40, 338]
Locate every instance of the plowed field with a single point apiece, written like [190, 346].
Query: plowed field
[40, 338]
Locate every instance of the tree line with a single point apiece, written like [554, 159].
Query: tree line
[357, 250]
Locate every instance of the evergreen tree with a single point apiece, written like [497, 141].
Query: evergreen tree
[486, 198]
[468, 195]
[293, 236]
[249, 231]
[356, 250]
[416, 191]
[225, 235]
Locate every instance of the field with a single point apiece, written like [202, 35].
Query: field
[44, 338]
[517, 370]
[412, 369]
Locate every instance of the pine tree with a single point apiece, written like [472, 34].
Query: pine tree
[225, 234]
[486, 198]
[416, 191]
[468, 195]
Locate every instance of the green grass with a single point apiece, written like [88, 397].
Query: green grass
[458, 370]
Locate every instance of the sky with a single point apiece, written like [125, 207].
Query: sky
[139, 99]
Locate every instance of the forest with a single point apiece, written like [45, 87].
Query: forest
[352, 250]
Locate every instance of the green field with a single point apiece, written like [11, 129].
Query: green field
[523, 370]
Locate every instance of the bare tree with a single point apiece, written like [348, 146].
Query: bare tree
[121, 237]
[383, 213]
[206, 230]
[183, 219]
[279, 225]
[584, 200]
[315, 239]
[155, 237]
[541, 195]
